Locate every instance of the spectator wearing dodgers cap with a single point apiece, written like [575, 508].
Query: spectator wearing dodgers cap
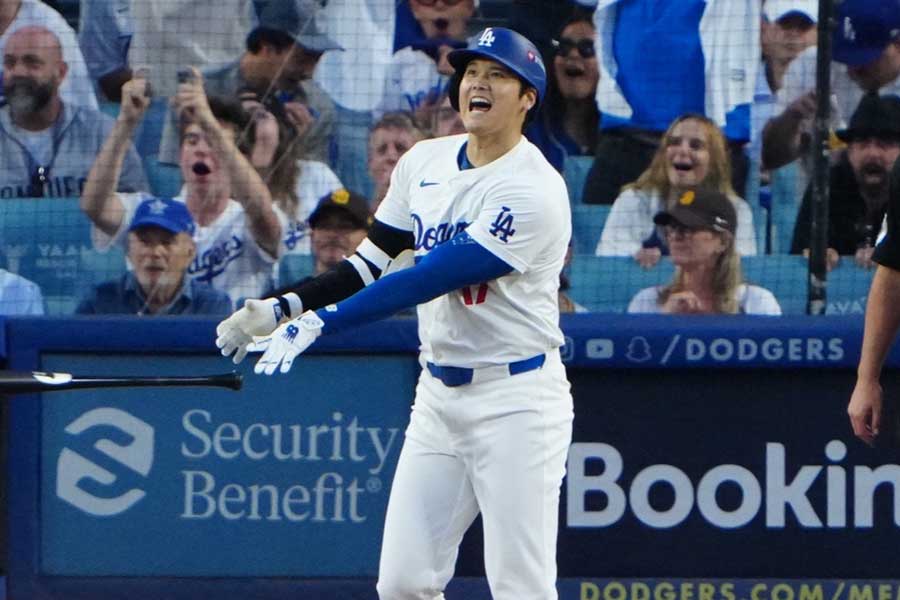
[866, 58]
[160, 248]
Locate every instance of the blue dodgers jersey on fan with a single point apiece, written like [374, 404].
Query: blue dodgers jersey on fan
[517, 208]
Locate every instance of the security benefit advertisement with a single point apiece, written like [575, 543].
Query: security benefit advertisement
[288, 477]
[739, 473]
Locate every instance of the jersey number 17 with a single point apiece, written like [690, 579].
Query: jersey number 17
[474, 294]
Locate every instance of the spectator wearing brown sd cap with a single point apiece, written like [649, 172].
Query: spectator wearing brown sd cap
[700, 230]
[337, 226]
[859, 184]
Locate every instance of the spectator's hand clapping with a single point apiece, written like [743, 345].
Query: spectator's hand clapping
[135, 100]
[648, 257]
[685, 302]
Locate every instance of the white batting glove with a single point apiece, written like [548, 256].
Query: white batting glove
[255, 318]
[289, 340]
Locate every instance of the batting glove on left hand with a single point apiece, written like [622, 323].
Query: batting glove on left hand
[289, 340]
[256, 317]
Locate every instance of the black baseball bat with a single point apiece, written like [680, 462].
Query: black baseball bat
[17, 382]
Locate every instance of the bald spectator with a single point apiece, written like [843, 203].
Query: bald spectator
[390, 138]
[46, 144]
[77, 88]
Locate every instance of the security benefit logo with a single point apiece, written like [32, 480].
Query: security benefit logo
[93, 480]
[323, 471]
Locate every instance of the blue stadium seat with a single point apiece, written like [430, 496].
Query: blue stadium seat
[575, 170]
[294, 267]
[48, 241]
[587, 225]
[848, 288]
[782, 274]
[164, 179]
[607, 284]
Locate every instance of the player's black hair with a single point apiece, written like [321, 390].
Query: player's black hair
[273, 37]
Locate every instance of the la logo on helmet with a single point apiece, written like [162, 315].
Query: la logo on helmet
[487, 38]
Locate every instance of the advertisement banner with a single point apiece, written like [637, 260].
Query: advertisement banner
[738, 473]
[289, 477]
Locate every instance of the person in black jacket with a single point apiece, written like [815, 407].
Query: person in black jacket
[859, 184]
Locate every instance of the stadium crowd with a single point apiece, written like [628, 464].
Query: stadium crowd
[227, 148]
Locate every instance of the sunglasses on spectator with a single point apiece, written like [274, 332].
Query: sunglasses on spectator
[584, 46]
[679, 230]
[433, 2]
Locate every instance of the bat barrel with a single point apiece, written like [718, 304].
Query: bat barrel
[232, 381]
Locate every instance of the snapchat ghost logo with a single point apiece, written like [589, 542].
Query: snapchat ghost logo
[638, 350]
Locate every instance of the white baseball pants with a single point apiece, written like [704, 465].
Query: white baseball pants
[497, 447]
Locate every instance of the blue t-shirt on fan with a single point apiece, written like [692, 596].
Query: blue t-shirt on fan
[661, 68]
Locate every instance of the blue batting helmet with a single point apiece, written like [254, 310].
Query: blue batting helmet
[510, 49]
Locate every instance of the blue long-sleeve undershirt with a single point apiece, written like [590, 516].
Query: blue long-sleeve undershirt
[451, 266]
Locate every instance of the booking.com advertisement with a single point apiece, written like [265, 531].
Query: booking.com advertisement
[288, 477]
[726, 473]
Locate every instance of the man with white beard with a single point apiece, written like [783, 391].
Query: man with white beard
[47, 145]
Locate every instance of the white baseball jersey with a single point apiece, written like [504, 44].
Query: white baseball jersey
[228, 257]
[516, 207]
[316, 180]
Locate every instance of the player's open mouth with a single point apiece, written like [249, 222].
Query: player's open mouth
[479, 104]
[201, 168]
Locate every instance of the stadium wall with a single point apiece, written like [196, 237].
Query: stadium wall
[711, 460]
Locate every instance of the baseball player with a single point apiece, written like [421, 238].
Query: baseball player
[488, 221]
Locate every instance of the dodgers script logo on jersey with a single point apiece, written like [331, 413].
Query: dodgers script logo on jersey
[214, 261]
[295, 232]
[434, 236]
